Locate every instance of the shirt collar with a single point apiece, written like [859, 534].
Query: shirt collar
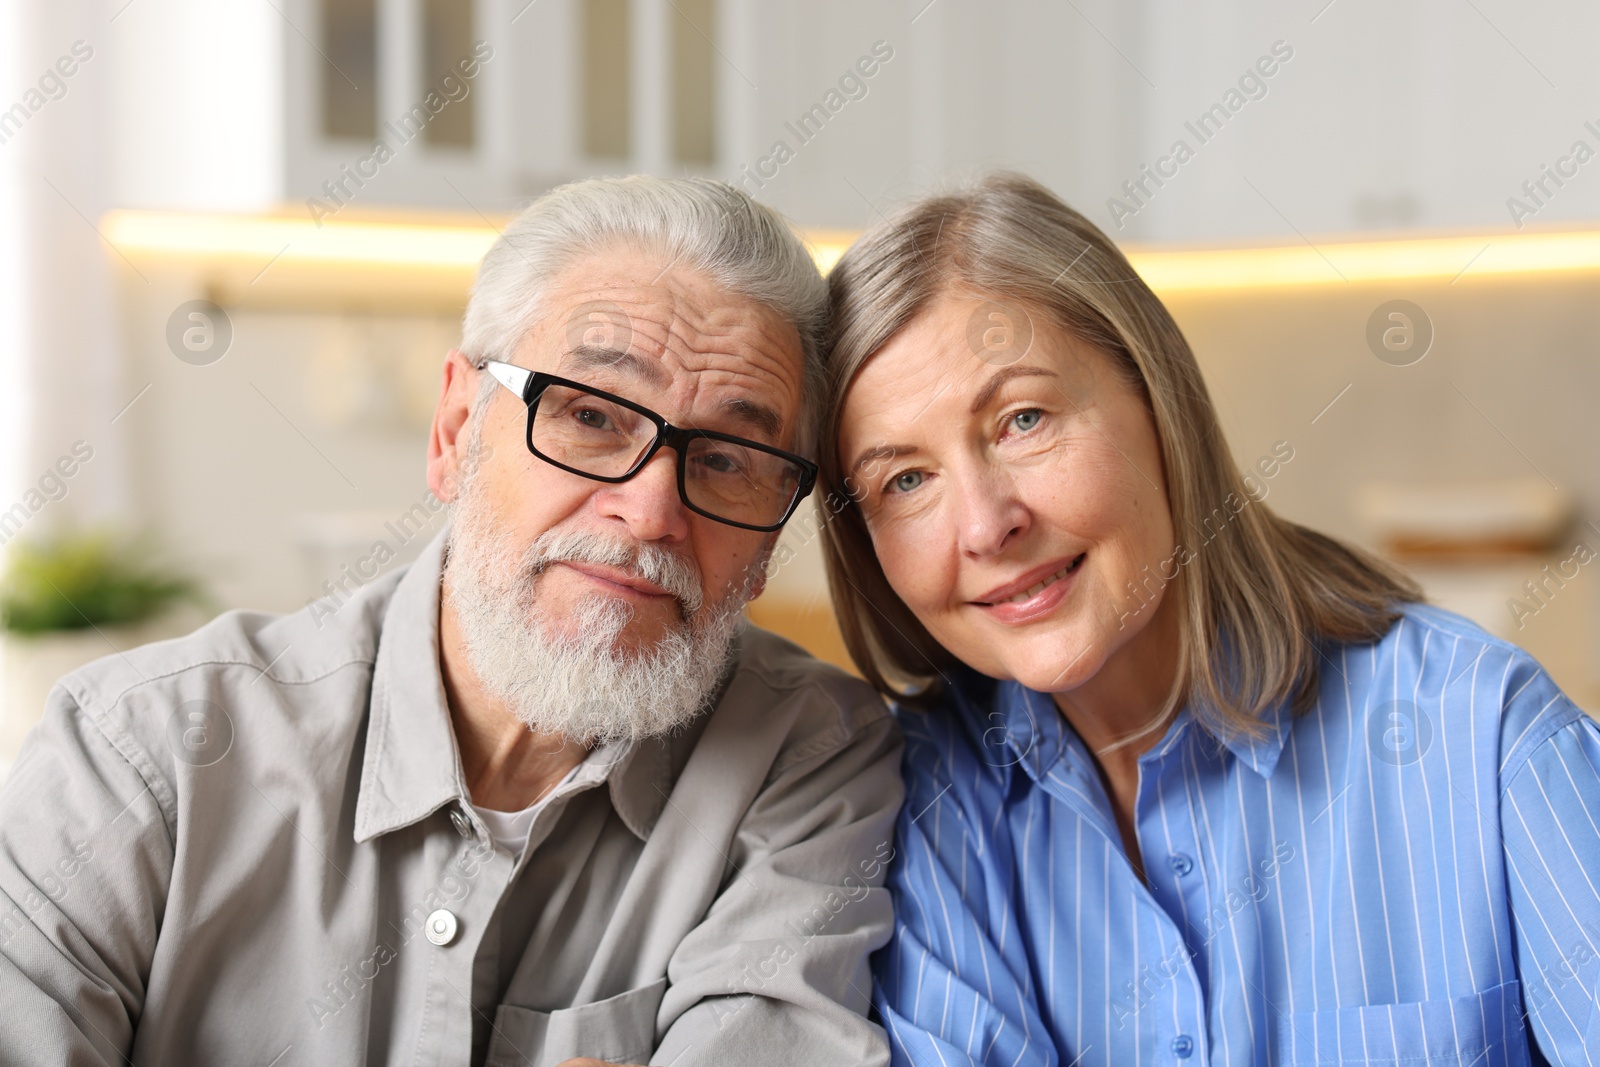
[1261, 753]
[642, 781]
[412, 767]
[1024, 728]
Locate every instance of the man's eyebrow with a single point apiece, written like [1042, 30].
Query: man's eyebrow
[592, 357]
[756, 415]
[992, 386]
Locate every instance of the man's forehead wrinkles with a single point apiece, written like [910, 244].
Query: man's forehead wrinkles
[695, 333]
[666, 303]
[740, 342]
[746, 349]
[728, 361]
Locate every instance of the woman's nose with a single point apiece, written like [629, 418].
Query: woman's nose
[992, 514]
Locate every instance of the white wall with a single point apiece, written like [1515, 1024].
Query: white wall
[197, 110]
[166, 103]
[62, 360]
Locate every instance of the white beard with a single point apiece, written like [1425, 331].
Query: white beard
[571, 676]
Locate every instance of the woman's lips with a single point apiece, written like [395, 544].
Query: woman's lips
[1037, 599]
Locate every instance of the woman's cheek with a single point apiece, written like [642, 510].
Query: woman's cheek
[912, 560]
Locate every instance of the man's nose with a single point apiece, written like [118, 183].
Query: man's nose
[648, 504]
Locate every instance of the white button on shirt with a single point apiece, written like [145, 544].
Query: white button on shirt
[441, 927]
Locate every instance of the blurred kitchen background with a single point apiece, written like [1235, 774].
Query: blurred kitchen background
[236, 237]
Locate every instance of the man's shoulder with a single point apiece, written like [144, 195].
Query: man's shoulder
[822, 706]
[245, 680]
[295, 648]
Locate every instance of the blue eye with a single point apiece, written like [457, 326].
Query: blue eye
[906, 482]
[1027, 420]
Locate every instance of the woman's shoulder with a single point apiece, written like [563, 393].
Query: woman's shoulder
[947, 735]
[1442, 669]
[1418, 618]
[1425, 639]
[938, 722]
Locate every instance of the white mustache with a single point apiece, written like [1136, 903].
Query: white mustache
[676, 574]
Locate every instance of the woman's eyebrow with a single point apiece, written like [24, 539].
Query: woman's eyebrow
[881, 452]
[979, 402]
[992, 386]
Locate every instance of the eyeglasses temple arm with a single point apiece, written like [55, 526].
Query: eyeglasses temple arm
[509, 375]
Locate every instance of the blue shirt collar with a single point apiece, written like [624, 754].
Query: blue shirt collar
[1261, 754]
[1021, 727]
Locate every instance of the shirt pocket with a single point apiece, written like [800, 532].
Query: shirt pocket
[1484, 1029]
[620, 1029]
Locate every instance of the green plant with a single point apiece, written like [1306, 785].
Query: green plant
[80, 579]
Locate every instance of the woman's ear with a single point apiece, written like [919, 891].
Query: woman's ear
[458, 388]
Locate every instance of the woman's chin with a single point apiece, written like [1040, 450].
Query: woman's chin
[1062, 674]
[1054, 663]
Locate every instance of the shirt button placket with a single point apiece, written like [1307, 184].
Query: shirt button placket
[465, 891]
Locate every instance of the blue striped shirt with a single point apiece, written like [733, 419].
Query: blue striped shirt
[1404, 876]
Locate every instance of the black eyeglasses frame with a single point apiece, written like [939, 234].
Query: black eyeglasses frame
[530, 386]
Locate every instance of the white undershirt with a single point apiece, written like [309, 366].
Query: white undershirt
[510, 829]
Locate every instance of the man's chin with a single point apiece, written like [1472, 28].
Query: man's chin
[635, 641]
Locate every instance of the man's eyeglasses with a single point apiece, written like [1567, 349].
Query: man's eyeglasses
[602, 436]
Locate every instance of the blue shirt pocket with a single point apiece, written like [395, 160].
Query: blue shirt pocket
[1484, 1029]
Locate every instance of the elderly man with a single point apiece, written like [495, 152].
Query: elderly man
[543, 796]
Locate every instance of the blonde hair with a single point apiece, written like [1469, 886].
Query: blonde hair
[1255, 604]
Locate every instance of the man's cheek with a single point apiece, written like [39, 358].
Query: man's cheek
[534, 498]
[723, 571]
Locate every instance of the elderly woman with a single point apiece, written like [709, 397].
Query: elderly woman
[1187, 782]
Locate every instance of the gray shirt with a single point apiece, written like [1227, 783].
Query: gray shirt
[253, 845]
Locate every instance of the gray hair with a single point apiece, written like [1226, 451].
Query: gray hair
[706, 225]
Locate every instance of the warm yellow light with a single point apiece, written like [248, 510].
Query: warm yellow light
[265, 238]
[458, 247]
[200, 237]
[828, 245]
[1338, 263]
